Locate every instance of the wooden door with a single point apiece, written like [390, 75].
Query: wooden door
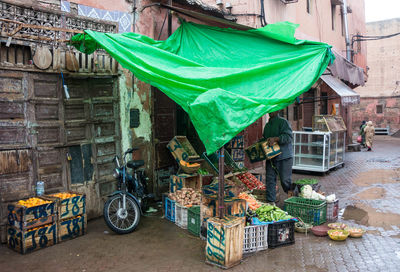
[164, 127]
[92, 134]
[46, 114]
[16, 171]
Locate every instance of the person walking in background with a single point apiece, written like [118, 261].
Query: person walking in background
[369, 131]
[278, 130]
[362, 133]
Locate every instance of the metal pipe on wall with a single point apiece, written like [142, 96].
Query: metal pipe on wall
[346, 30]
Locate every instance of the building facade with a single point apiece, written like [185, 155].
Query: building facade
[68, 139]
[380, 97]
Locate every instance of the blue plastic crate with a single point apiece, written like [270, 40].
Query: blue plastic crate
[170, 209]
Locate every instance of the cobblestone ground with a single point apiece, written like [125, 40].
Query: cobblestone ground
[369, 191]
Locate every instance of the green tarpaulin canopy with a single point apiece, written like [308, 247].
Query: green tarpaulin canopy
[225, 79]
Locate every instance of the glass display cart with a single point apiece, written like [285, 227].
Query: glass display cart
[321, 149]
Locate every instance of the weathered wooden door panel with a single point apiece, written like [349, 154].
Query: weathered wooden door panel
[47, 113]
[164, 127]
[15, 174]
[91, 117]
[12, 135]
[12, 86]
[50, 164]
[11, 110]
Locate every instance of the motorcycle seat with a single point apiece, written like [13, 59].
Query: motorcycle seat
[135, 164]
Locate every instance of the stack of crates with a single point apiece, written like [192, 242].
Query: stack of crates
[32, 227]
[71, 214]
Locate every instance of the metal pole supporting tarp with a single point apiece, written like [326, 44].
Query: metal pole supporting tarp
[221, 182]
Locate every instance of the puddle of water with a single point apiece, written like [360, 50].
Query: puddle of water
[372, 193]
[368, 216]
[377, 176]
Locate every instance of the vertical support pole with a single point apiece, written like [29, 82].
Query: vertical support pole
[169, 19]
[221, 182]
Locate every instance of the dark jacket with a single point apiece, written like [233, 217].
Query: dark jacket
[280, 127]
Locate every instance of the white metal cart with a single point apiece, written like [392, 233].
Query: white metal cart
[322, 149]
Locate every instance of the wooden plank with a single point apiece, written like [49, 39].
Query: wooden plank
[56, 58]
[14, 161]
[11, 54]
[20, 55]
[12, 135]
[225, 241]
[25, 241]
[3, 54]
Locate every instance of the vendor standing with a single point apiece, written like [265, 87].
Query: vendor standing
[278, 130]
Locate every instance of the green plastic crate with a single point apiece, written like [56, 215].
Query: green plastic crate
[213, 160]
[193, 223]
[309, 210]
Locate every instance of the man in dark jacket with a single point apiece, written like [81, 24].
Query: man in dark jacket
[278, 130]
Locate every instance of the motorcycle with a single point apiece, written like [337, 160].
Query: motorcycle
[124, 207]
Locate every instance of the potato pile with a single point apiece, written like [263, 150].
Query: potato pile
[186, 196]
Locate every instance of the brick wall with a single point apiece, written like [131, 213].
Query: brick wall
[367, 110]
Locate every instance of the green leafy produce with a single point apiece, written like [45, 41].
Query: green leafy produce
[202, 172]
[268, 213]
[306, 181]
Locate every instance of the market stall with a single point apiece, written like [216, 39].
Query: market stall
[323, 148]
[222, 96]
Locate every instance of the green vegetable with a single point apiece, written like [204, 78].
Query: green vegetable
[202, 171]
[306, 181]
[268, 213]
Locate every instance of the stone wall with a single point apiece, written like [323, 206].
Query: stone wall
[367, 110]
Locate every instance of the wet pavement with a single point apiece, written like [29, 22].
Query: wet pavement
[368, 188]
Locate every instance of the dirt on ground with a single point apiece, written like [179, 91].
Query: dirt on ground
[369, 216]
[371, 193]
[378, 176]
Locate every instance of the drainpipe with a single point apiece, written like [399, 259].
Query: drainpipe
[346, 30]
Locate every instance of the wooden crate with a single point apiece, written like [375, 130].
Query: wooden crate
[238, 154]
[209, 209]
[71, 227]
[25, 241]
[177, 182]
[69, 207]
[24, 218]
[181, 149]
[225, 241]
[255, 152]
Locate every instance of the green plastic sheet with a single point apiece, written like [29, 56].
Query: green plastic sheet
[225, 79]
